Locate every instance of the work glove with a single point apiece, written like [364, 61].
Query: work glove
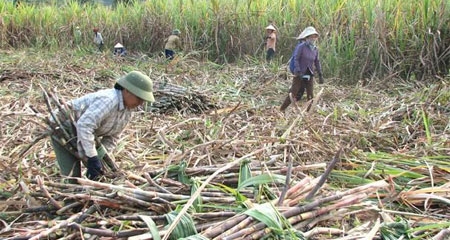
[321, 81]
[94, 168]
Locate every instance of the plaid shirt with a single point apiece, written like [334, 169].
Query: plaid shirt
[100, 114]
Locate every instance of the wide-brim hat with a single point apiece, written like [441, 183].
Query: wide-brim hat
[271, 27]
[307, 32]
[138, 84]
[118, 45]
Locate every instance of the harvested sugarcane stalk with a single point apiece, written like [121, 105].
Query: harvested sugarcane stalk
[170, 97]
[58, 226]
[107, 232]
[258, 230]
[287, 183]
[298, 214]
[46, 193]
[152, 182]
[197, 192]
[324, 176]
[239, 226]
[216, 230]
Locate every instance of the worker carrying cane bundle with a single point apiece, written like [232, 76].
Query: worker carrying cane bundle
[100, 115]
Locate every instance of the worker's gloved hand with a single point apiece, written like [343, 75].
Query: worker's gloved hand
[94, 168]
[321, 80]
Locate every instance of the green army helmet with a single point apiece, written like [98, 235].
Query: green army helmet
[176, 32]
[138, 84]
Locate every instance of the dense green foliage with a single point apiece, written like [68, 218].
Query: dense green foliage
[359, 39]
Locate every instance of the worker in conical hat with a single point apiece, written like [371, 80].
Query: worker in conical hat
[271, 41]
[119, 50]
[305, 65]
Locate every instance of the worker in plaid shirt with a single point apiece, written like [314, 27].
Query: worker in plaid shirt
[102, 115]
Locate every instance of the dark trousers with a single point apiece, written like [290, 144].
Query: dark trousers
[297, 89]
[169, 54]
[270, 54]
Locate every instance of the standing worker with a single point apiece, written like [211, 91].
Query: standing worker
[101, 115]
[304, 58]
[173, 43]
[271, 41]
[98, 39]
[77, 35]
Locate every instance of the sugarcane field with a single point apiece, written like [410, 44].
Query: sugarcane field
[211, 119]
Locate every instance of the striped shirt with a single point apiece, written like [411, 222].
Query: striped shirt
[102, 115]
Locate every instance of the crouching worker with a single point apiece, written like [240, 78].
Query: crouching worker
[101, 115]
[119, 50]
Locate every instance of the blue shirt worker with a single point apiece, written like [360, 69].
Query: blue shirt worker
[101, 115]
[304, 63]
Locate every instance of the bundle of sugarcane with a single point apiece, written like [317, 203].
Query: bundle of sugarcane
[62, 129]
[144, 207]
[262, 219]
[137, 208]
[170, 97]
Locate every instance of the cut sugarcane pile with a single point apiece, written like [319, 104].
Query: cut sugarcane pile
[174, 98]
[169, 97]
[136, 207]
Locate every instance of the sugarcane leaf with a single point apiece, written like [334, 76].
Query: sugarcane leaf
[223, 207]
[266, 214]
[268, 193]
[395, 230]
[197, 204]
[244, 172]
[239, 197]
[184, 228]
[429, 227]
[152, 226]
[262, 179]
